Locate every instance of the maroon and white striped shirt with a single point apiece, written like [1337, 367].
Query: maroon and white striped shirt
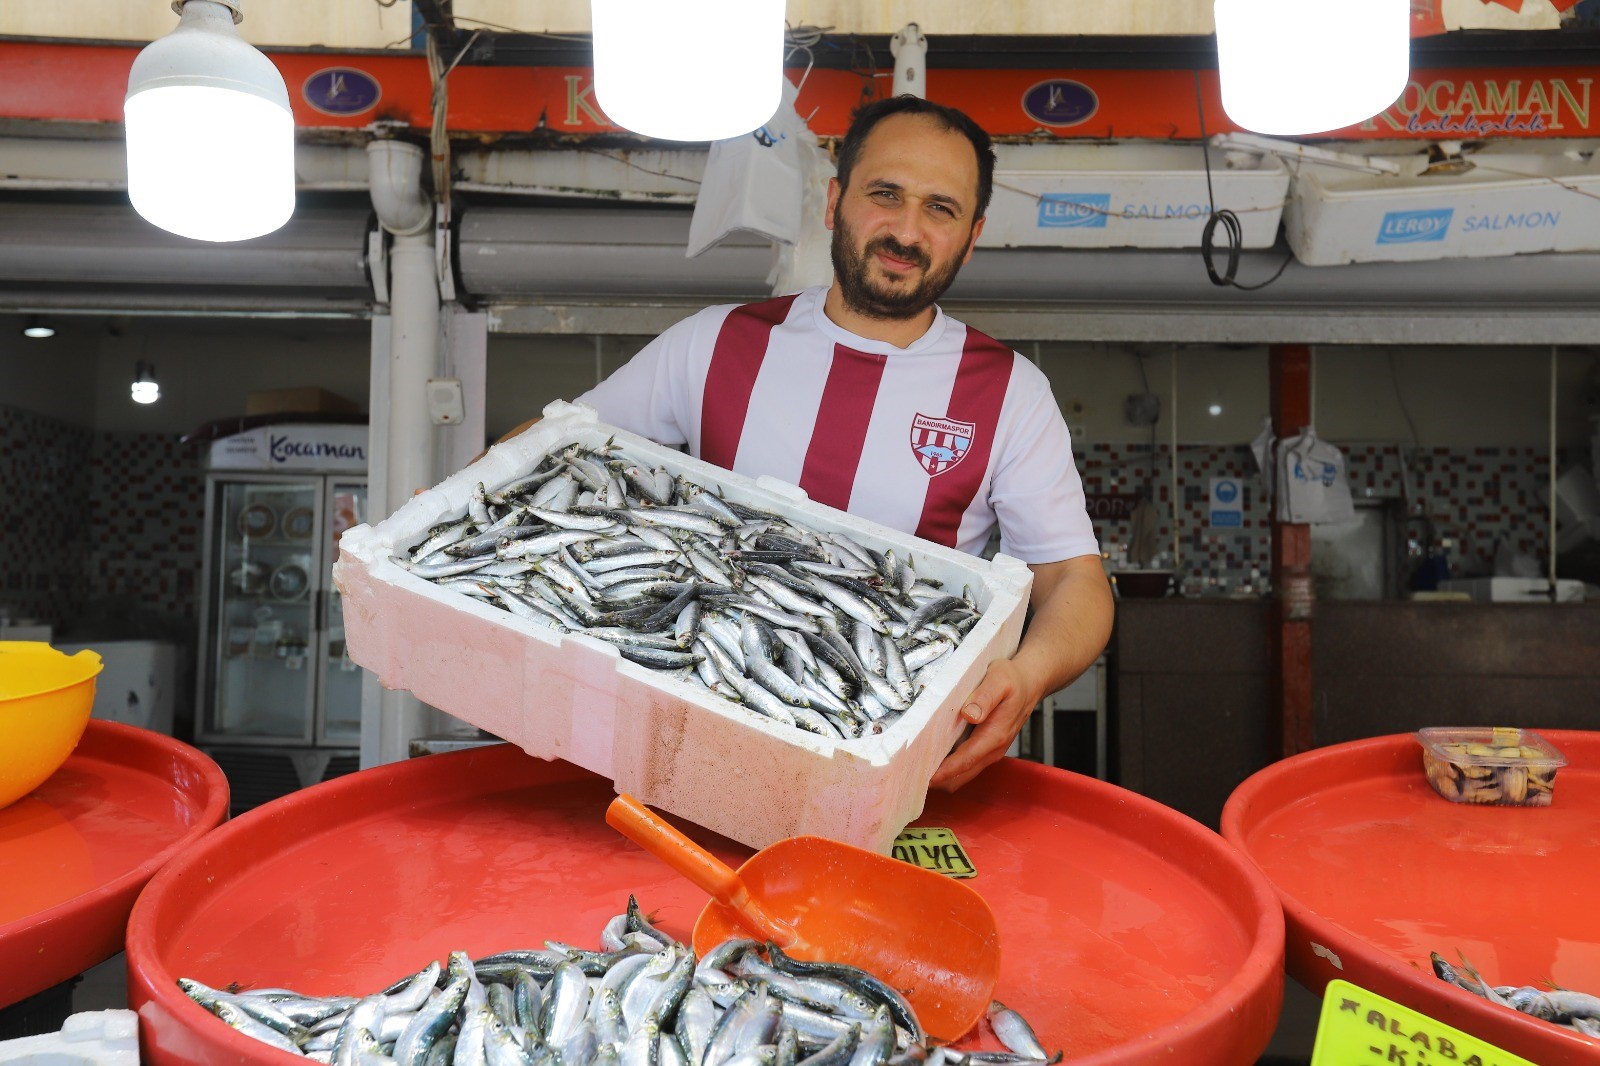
[942, 439]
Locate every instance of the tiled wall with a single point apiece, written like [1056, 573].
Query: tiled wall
[97, 524]
[111, 522]
[45, 514]
[1473, 496]
[149, 508]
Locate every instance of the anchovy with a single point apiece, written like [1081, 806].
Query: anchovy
[1014, 1031]
[594, 544]
[643, 999]
[1578, 1011]
[857, 979]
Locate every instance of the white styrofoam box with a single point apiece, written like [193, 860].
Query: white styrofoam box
[1515, 198]
[93, 1038]
[1131, 195]
[1577, 507]
[669, 743]
[137, 682]
[1514, 589]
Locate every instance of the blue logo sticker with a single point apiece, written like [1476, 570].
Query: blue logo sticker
[1074, 210]
[1415, 227]
[1227, 491]
[342, 91]
[1060, 102]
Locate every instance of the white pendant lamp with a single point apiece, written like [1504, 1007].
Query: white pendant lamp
[210, 134]
[145, 388]
[1309, 66]
[688, 70]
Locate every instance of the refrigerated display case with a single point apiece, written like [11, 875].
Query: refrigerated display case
[278, 704]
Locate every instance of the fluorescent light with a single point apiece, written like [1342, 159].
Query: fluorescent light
[1307, 66]
[688, 70]
[209, 130]
[145, 388]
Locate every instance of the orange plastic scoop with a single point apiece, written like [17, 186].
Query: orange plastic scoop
[929, 937]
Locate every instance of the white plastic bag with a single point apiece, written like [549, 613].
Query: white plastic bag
[808, 261]
[754, 183]
[1312, 487]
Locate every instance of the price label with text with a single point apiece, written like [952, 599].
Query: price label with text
[934, 848]
[1358, 1028]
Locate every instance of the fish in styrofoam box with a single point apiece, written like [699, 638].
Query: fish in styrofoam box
[670, 743]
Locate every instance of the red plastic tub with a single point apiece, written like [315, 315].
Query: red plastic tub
[1130, 933]
[1375, 871]
[75, 852]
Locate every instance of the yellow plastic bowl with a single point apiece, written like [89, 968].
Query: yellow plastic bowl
[45, 698]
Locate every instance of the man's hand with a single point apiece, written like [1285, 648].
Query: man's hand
[1072, 612]
[997, 708]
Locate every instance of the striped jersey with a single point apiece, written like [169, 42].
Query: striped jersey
[943, 439]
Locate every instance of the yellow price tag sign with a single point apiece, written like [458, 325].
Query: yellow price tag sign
[934, 848]
[1361, 1028]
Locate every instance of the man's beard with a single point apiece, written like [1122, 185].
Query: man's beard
[867, 297]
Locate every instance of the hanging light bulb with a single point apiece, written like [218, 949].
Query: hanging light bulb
[210, 134]
[688, 70]
[145, 388]
[1292, 67]
[34, 328]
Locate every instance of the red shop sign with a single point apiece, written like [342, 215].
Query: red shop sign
[86, 83]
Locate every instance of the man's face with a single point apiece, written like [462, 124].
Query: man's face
[905, 225]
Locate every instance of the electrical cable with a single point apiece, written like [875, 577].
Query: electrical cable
[803, 35]
[865, 67]
[646, 170]
[1394, 379]
[1228, 220]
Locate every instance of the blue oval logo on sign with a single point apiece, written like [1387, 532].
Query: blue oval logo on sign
[1060, 102]
[342, 91]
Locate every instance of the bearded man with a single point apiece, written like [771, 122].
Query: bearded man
[871, 399]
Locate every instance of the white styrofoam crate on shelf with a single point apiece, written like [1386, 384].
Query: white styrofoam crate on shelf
[92, 1038]
[1514, 589]
[1510, 198]
[1133, 195]
[670, 743]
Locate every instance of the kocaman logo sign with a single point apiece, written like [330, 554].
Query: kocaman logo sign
[1482, 106]
[283, 449]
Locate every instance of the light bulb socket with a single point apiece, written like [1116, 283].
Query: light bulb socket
[231, 5]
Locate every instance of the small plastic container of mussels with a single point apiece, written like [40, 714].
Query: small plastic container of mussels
[1496, 766]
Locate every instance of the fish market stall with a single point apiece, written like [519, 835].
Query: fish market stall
[76, 851]
[1128, 933]
[1378, 874]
